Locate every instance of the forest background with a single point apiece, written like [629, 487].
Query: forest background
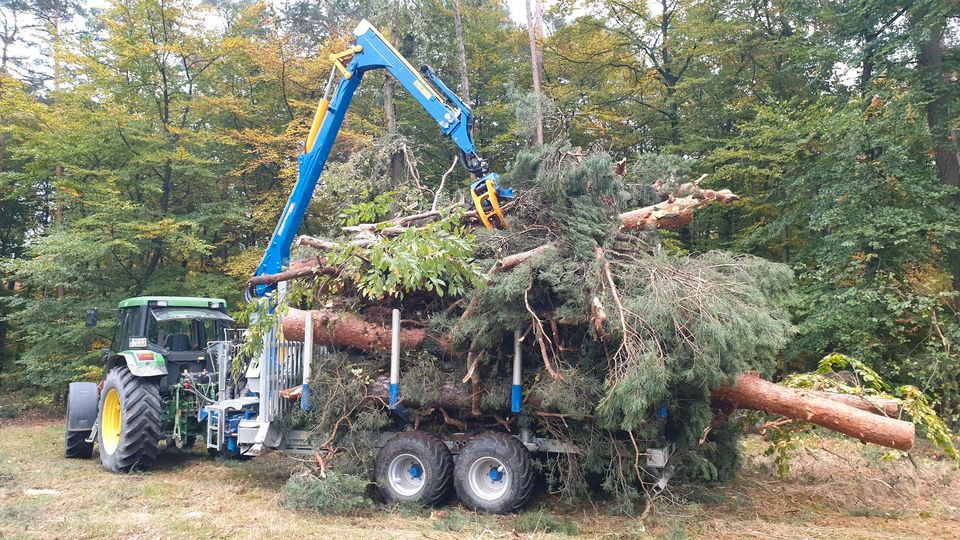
[147, 147]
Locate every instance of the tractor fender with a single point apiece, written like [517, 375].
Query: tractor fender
[154, 365]
[83, 399]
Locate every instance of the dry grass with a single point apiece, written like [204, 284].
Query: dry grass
[842, 490]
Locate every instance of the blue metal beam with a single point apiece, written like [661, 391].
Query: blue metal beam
[453, 117]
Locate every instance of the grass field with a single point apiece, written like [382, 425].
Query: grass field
[839, 490]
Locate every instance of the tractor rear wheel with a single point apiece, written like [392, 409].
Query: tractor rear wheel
[129, 428]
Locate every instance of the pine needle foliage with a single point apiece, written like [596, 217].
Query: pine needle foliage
[674, 328]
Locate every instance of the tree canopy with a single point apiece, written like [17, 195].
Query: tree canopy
[149, 146]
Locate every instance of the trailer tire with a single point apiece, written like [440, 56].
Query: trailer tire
[494, 474]
[414, 467]
[129, 430]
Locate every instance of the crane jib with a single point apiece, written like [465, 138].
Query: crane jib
[454, 118]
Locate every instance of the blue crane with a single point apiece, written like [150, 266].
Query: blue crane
[454, 118]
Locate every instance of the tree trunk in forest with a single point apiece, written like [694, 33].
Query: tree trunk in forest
[461, 53]
[58, 218]
[390, 112]
[946, 155]
[534, 16]
[56, 42]
[455, 396]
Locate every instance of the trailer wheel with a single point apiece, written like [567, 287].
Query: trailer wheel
[494, 474]
[129, 430]
[414, 467]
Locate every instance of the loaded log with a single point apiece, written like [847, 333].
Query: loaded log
[748, 391]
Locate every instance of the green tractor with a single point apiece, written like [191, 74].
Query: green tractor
[159, 373]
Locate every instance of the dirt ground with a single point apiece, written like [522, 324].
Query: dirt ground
[836, 489]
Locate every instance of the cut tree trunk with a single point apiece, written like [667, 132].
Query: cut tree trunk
[871, 404]
[673, 213]
[752, 392]
[298, 269]
[351, 330]
[748, 392]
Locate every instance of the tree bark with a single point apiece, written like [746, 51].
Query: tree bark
[390, 112]
[351, 330]
[751, 392]
[748, 391]
[461, 53]
[58, 219]
[946, 154]
[871, 404]
[672, 213]
[298, 269]
[535, 34]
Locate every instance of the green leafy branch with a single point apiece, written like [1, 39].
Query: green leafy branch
[369, 211]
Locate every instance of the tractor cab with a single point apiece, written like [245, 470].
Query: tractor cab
[158, 375]
[166, 335]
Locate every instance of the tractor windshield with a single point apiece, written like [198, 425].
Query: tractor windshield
[186, 329]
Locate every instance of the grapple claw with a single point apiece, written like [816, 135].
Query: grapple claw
[486, 195]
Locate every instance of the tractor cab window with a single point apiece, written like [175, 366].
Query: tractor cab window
[121, 332]
[185, 329]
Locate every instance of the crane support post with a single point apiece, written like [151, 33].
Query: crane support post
[307, 362]
[395, 360]
[516, 391]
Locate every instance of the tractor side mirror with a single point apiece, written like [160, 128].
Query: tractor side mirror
[92, 317]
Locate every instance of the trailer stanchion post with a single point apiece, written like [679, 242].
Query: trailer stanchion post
[516, 392]
[395, 360]
[307, 361]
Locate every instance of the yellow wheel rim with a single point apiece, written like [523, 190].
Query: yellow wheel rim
[110, 421]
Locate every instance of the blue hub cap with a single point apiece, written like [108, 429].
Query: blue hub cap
[496, 474]
[416, 471]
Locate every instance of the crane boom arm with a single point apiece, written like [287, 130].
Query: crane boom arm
[453, 117]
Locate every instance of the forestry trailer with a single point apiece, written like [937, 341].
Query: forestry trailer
[181, 383]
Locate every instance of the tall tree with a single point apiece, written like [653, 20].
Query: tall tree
[940, 85]
[535, 32]
[461, 53]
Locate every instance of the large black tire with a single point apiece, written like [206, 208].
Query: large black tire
[494, 474]
[76, 446]
[81, 415]
[139, 430]
[414, 467]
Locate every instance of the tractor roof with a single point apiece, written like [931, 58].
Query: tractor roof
[174, 301]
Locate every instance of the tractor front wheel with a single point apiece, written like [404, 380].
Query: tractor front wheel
[129, 428]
